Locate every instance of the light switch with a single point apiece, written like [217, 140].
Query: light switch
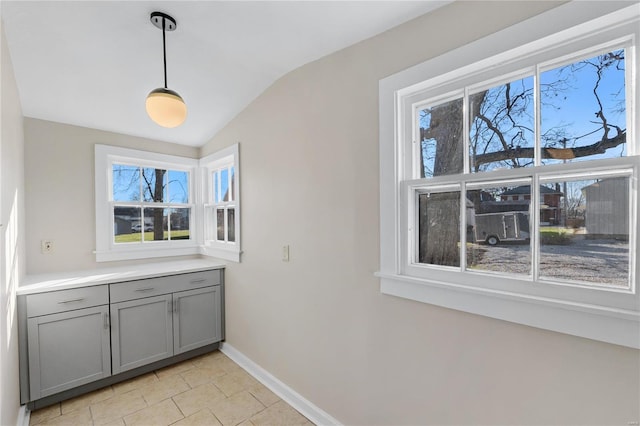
[285, 253]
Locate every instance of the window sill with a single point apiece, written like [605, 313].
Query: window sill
[144, 253]
[221, 253]
[616, 326]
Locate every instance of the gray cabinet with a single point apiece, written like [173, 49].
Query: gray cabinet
[195, 324]
[76, 340]
[183, 314]
[142, 332]
[68, 342]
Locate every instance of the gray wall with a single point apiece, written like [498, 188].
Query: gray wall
[309, 165]
[60, 203]
[12, 256]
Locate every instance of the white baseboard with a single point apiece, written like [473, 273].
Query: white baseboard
[291, 397]
[24, 416]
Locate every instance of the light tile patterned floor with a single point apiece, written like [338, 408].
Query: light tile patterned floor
[208, 390]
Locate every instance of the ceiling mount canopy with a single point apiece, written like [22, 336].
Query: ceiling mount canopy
[165, 106]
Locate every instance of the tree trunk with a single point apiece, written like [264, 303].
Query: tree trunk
[158, 216]
[439, 213]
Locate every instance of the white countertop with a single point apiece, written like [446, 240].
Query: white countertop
[61, 281]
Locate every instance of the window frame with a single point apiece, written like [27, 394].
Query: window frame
[106, 248]
[549, 38]
[225, 158]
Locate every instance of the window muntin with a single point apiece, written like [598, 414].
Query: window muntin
[149, 204]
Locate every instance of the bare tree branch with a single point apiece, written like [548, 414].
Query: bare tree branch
[599, 147]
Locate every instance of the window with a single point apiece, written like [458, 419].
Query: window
[150, 204]
[222, 204]
[145, 204]
[510, 191]
[155, 205]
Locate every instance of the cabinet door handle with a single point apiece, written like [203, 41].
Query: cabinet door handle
[79, 299]
[198, 281]
[144, 289]
[106, 320]
[175, 306]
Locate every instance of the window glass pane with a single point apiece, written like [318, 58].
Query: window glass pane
[586, 237]
[439, 228]
[155, 224]
[220, 224]
[126, 224]
[501, 127]
[232, 171]
[126, 183]
[224, 184]
[178, 187]
[441, 140]
[231, 224]
[216, 191]
[179, 224]
[153, 184]
[583, 110]
[499, 225]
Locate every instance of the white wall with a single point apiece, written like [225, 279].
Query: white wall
[12, 257]
[60, 204]
[309, 164]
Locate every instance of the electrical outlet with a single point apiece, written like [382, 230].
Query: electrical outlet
[46, 246]
[285, 253]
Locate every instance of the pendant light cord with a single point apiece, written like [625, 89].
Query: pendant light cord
[164, 53]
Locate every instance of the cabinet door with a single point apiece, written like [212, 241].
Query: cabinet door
[197, 318]
[68, 349]
[141, 332]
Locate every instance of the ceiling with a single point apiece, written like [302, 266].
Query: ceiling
[92, 63]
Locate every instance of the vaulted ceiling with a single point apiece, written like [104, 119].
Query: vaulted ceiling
[92, 63]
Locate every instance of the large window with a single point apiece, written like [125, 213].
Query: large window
[154, 205]
[512, 193]
[503, 142]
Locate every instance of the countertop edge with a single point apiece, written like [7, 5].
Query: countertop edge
[34, 284]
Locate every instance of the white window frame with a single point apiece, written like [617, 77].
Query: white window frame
[609, 316]
[228, 250]
[106, 248]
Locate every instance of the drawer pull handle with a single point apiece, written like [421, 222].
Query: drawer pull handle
[79, 299]
[198, 281]
[142, 290]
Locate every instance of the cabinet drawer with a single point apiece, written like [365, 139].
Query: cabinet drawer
[131, 290]
[53, 302]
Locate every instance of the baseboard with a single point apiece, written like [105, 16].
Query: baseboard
[24, 416]
[291, 397]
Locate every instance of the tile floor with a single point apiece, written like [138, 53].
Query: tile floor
[208, 390]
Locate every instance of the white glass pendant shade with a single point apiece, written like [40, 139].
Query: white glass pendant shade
[166, 107]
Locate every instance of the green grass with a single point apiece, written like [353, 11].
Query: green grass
[148, 236]
[555, 236]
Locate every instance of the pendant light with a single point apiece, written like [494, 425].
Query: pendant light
[164, 105]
